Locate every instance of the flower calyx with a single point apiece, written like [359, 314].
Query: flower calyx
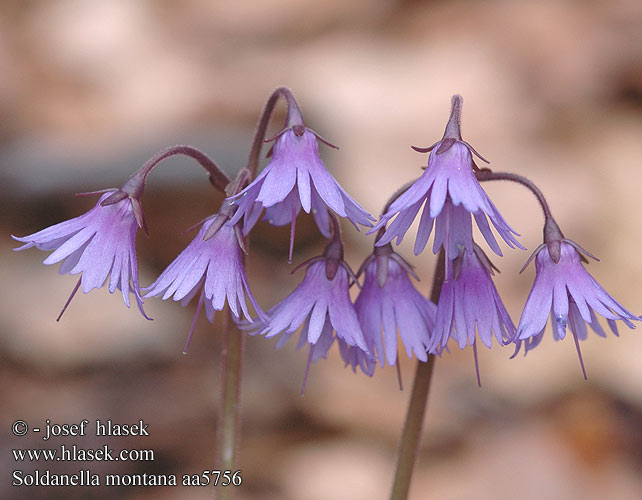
[294, 122]
[298, 130]
[381, 255]
[481, 256]
[227, 209]
[332, 255]
[554, 248]
[133, 189]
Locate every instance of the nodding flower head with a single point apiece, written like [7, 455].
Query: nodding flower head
[212, 268]
[296, 178]
[449, 194]
[565, 290]
[469, 306]
[99, 244]
[388, 302]
[321, 303]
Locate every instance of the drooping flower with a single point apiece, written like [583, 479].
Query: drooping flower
[565, 290]
[387, 302]
[469, 306]
[321, 303]
[316, 298]
[449, 194]
[214, 267]
[296, 178]
[99, 244]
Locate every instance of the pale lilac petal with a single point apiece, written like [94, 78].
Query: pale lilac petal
[355, 213]
[251, 217]
[343, 316]
[453, 230]
[116, 271]
[328, 190]
[262, 316]
[368, 307]
[123, 284]
[303, 183]
[97, 261]
[326, 339]
[535, 313]
[579, 294]
[484, 228]
[278, 183]
[72, 260]
[411, 326]
[576, 322]
[424, 230]
[402, 222]
[317, 319]
[418, 191]
[320, 213]
[389, 331]
[191, 277]
[186, 300]
[460, 316]
[230, 294]
[209, 311]
[560, 308]
[437, 195]
[71, 245]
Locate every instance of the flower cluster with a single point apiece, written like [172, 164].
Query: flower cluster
[465, 304]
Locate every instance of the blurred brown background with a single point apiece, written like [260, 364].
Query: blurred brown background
[553, 90]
